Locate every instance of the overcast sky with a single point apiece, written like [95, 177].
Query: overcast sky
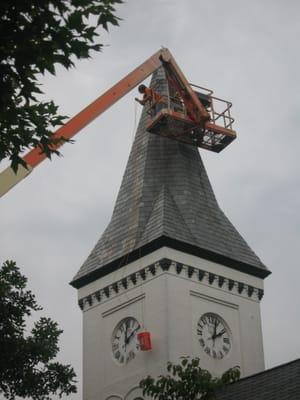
[247, 52]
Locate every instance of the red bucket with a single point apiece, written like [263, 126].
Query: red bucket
[144, 341]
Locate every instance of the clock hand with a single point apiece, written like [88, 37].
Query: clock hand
[132, 333]
[126, 330]
[220, 333]
[215, 332]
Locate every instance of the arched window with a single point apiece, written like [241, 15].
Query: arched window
[134, 394]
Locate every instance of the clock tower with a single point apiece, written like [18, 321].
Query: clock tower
[169, 265]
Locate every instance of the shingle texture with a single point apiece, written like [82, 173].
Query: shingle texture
[279, 383]
[165, 192]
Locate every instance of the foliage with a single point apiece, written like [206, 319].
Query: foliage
[27, 368]
[37, 35]
[187, 381]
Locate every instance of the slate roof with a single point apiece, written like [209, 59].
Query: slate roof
[279, 383]
[166, 199]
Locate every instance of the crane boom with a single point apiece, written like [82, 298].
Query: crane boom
[163, 57]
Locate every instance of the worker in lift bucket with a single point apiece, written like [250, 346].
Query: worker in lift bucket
[153, 99]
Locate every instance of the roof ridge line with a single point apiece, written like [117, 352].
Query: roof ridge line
[180, 213]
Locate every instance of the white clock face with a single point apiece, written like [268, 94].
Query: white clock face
[214, 336]
[124, 340]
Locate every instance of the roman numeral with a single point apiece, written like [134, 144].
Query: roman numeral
[226, 340]
[207, 350]
[130, 355]
[199, 331]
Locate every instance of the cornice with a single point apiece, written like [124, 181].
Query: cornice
[166, 265]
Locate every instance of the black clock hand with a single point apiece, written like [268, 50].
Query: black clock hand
[220, 333]
[126, 330]
[132, 333]
[215, 332]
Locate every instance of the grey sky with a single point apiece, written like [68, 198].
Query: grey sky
[245, 51]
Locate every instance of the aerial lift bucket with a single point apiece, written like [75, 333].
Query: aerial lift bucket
[214, 134]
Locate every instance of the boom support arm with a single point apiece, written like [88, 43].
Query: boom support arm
[33, 158]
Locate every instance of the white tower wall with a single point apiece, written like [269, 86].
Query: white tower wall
[168, 304]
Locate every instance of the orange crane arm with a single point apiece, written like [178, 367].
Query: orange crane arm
[8, 178]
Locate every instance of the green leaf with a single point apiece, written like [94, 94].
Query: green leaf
[26, 366]
[187, 381]
[75, 20]
[37, 39]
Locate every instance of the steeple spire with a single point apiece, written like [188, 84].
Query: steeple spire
[166, 199]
